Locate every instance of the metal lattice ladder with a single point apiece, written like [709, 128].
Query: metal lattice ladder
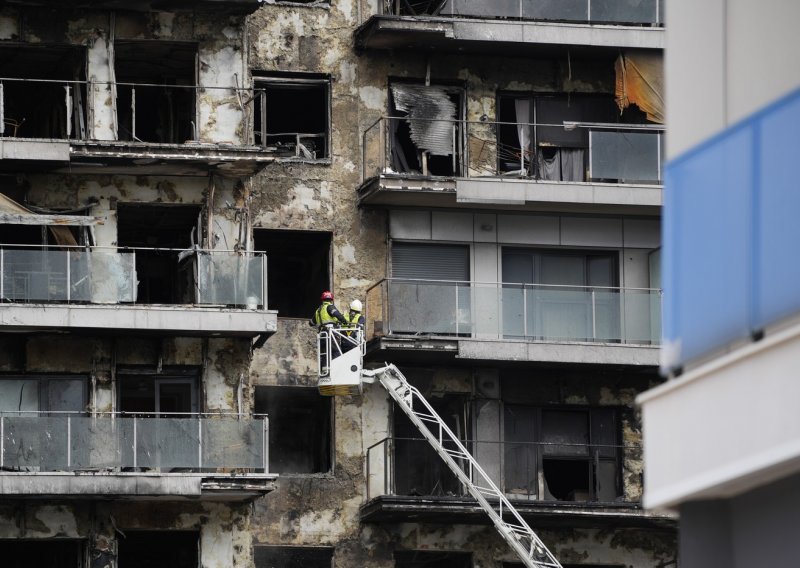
[516, 532]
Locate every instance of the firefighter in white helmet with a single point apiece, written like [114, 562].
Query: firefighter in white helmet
[356, 323]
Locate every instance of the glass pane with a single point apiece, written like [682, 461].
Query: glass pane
[230, 279]
[570, 10]
[429, 308]
[34, 275]
[168, 443]
[519, 476]
[607, 481]
[517, 267]
[625, 11]
[514, 311]
[482, 9]
[19, 394]
[233, 443]
[605, 315]
[562, 270]
[560, 313]
[604, 434]
[565, 433]
[624, 156]
[100, 442]
[34, 443]
[65, 394]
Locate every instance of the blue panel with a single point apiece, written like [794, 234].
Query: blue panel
[710, 235]
[777, 269]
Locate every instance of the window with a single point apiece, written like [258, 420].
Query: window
[298, 269]
[419, 470]
[299, 428]
[158, 549]
[561, 454]
[568, 295]
[292, 557]
[160, 395]
[291, 115]
[153, 226]
[532, 140]
[158, 102]
[425, 559]
[52, 553]
[427, 139]
[39, 110]
[23, 393]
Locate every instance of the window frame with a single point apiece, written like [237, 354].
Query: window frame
[261, 81]
[43, 381]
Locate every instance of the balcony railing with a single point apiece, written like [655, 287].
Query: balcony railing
[136, 111]
[532, 471]
[639, 12]
[597, 152]
[62, 441]
[530, 312]
[107, 275]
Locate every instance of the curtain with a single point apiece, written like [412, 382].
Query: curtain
[523, 113]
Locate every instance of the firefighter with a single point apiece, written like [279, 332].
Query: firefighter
[326, 318]
[356, 323]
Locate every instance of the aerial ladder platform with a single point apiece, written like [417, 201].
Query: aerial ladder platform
[340, 358]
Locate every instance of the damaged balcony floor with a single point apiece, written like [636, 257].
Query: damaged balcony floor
[184, 319]
[145, 485]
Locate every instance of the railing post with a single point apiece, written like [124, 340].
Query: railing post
[199, 442]
[588, 10]
[135, 287]
[2, 274]
[369, 455]
[135, 443]
[524, 312]
[456, 288]
[594, 315]
[68, 104]
[264, 275]
[69, 276]
[2, 440]
[265, 441]
[69, 441]
[133, 113]
[2, 110]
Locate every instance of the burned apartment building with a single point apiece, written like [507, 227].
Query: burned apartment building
[484, 176]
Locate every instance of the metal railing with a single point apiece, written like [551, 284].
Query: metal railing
[601, 152]
[108, 275]
[408, 466]
[499, 310]
[636, 12]
[169, 443]
[140, 112]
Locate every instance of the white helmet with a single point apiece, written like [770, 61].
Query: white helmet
[355, 305]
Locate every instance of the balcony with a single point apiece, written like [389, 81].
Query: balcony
[493, 165]
[138, 128]
[96, 289]
[513, 26]
[515, 322]
[63, 455]
[550, 484]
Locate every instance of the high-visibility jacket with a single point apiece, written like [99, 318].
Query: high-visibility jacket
[354, 319]
[323, 317]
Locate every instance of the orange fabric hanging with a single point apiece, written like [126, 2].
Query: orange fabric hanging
[640, 81]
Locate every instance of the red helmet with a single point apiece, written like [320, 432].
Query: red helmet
[327, 296]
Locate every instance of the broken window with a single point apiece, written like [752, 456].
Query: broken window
[43, 94]
[158, 549]
[163, 394]
[299, 428]
[41, 553]
[427, 559]
[18, 393]
[418, 468]
[155, 91]
[299, 269]
[292, 556]
[156, 228]
[291, 115]
[571, 295]
[561, 454]
[425, 129]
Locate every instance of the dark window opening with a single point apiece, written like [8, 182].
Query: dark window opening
[292, 557]
[298, 269]
[426, 559]
[574, 452]
[158, 549]
[161, 279]
[43, 109]
[162, 395]
[158, 104]
[419, 470]
[41, 553]
[26, 393]
[426, 140]
[291, 117]
[299, 428]
[520, 565]
[546, 149]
